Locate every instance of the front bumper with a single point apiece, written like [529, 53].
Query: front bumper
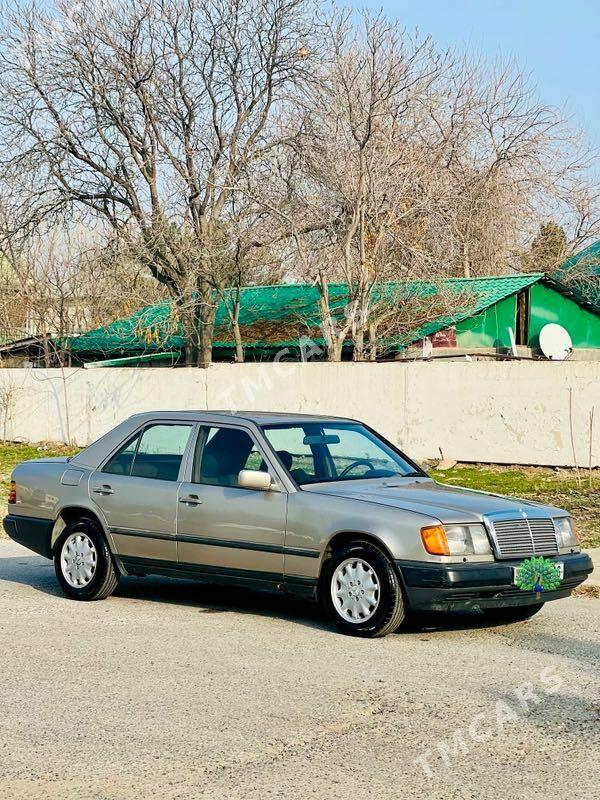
[447, 587]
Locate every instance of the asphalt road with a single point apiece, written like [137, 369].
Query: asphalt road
[176, 690]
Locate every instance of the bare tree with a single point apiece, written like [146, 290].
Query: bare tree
[9, 391]
[240, 261]
[147, 116]
[62, 283]
[414, 164]
[582, 277]
[499, 152]
[201, 140]
[360, 173]
[401, 311]
[574, 198]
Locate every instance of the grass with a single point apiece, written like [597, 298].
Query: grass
[556, 487]
[589, 590]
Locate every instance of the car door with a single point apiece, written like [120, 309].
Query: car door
[223, 529]
[136, 491]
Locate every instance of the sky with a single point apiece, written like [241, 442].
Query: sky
[556, 43]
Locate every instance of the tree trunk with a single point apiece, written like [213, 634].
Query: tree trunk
[359, 345]
[189, 324]
[46, 349]
[372, 341]
[207, 311]
[239, 349]
[466, 261]
[333, 333]
[237, 334]
[197, 312]
[191, 353]
[334, 350]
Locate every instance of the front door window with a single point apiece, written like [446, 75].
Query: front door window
[226, 451]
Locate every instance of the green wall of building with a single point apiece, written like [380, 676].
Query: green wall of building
[547, 305]
[490, 327]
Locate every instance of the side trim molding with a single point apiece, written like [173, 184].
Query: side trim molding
[143, 534]
[198, 570]
[212, 542]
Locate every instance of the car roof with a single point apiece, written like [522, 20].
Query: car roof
[258, 417]
[93, 455]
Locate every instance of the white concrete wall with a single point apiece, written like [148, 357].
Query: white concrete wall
[511, 412]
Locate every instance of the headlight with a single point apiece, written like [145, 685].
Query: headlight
[456, 540]
[467, 540]
[566, 534]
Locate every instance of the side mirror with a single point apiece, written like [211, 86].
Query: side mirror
[252, 479]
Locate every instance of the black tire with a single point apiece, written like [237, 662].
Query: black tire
[105, 577]
[390, 609]
[512, 613]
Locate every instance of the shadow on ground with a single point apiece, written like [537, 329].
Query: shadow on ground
[38, 573]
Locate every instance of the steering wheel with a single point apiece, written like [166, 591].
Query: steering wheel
[357, 463]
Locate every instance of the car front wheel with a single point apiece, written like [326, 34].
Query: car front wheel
[83, 563]
[361, 590]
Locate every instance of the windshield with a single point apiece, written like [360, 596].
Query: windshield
[316, 452]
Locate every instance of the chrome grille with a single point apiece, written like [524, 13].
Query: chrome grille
[521, 538]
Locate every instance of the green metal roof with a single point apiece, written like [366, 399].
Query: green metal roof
[585, 291]
[276, 316]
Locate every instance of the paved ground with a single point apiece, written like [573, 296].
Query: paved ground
[594, 578]
[174, 690]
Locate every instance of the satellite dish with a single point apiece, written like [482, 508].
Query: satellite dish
[555, 342]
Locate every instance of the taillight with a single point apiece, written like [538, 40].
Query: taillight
[12, 492]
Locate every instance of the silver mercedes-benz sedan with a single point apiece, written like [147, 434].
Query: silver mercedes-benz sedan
[319, 506]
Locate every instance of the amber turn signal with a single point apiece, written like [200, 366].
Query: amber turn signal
[12, 492]
[434, 540]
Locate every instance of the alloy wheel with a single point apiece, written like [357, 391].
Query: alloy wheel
[78, 560]
[355, 590]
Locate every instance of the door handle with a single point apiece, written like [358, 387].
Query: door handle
[191, 500]
[104, 489]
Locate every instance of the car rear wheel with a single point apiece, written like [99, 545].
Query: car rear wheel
[83, 563]
[512, 613]
[361, 590]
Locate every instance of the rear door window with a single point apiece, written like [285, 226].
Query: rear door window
[160, 452]
[156, 453]
[120, 463]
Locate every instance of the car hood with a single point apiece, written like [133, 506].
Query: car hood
[425, 496]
